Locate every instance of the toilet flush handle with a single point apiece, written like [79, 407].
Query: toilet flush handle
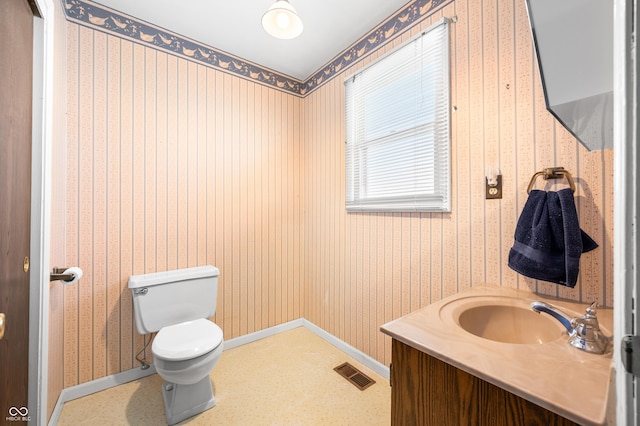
[141, 291]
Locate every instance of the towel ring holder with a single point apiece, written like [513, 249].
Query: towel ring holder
[552, 173]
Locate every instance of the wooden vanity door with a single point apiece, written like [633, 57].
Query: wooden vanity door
[427, 391]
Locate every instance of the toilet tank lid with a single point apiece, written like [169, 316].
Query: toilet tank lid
[144, 280]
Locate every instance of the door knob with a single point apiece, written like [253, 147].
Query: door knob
[2, 318]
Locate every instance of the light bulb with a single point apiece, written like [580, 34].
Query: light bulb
[282, 20]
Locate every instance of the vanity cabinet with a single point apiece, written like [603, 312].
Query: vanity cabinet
[427, 391]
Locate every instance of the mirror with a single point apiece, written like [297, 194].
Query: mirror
[573, 40]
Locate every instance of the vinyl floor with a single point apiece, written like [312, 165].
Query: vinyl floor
[285, 379]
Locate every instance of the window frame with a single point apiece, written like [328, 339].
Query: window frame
[440, 199]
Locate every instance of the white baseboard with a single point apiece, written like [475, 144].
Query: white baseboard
[358, 355]
[257, 335]
[84, 389]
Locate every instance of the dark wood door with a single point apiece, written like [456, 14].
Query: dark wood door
[16, 73]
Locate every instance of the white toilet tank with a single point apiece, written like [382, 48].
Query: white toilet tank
[172, 297]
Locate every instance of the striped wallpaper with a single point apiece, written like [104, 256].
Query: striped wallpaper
[173, 164]
[364, 269]
[58, 210]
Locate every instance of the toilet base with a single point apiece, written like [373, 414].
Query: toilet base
[184, 401]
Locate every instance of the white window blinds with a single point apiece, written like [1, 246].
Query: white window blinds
[397, 128]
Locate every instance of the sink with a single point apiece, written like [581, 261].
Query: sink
[491, 333]
[510, 324]
[502, 319]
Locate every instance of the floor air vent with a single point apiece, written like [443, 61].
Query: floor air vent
[354, 376]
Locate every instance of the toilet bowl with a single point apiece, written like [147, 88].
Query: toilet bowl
[188, 345]
[185, 353]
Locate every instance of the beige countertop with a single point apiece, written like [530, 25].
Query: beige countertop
[553, 375]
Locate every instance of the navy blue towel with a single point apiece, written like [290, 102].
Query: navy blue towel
[548, 239]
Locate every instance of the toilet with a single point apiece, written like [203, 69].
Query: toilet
[177, 304]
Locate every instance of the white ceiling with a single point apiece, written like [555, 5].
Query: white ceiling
[234, 26]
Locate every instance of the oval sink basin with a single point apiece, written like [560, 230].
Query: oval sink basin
[502, 319]
[510, 324]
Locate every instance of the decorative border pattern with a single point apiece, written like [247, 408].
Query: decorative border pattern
[387, 31]
[107, 20]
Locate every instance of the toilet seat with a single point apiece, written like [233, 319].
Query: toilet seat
[187, 340]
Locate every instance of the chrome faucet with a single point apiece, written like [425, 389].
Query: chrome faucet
[584, 332]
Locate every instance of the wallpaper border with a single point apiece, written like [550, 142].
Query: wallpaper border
[102, 18]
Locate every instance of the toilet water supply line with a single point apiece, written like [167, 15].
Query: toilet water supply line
[143, 361]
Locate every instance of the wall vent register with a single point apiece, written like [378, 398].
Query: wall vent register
[354, 376]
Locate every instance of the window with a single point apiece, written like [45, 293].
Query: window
[397, 125]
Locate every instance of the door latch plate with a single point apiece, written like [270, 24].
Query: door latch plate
[630, 353]
[2, 321]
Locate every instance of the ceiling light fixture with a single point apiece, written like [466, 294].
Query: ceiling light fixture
[282, 21]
